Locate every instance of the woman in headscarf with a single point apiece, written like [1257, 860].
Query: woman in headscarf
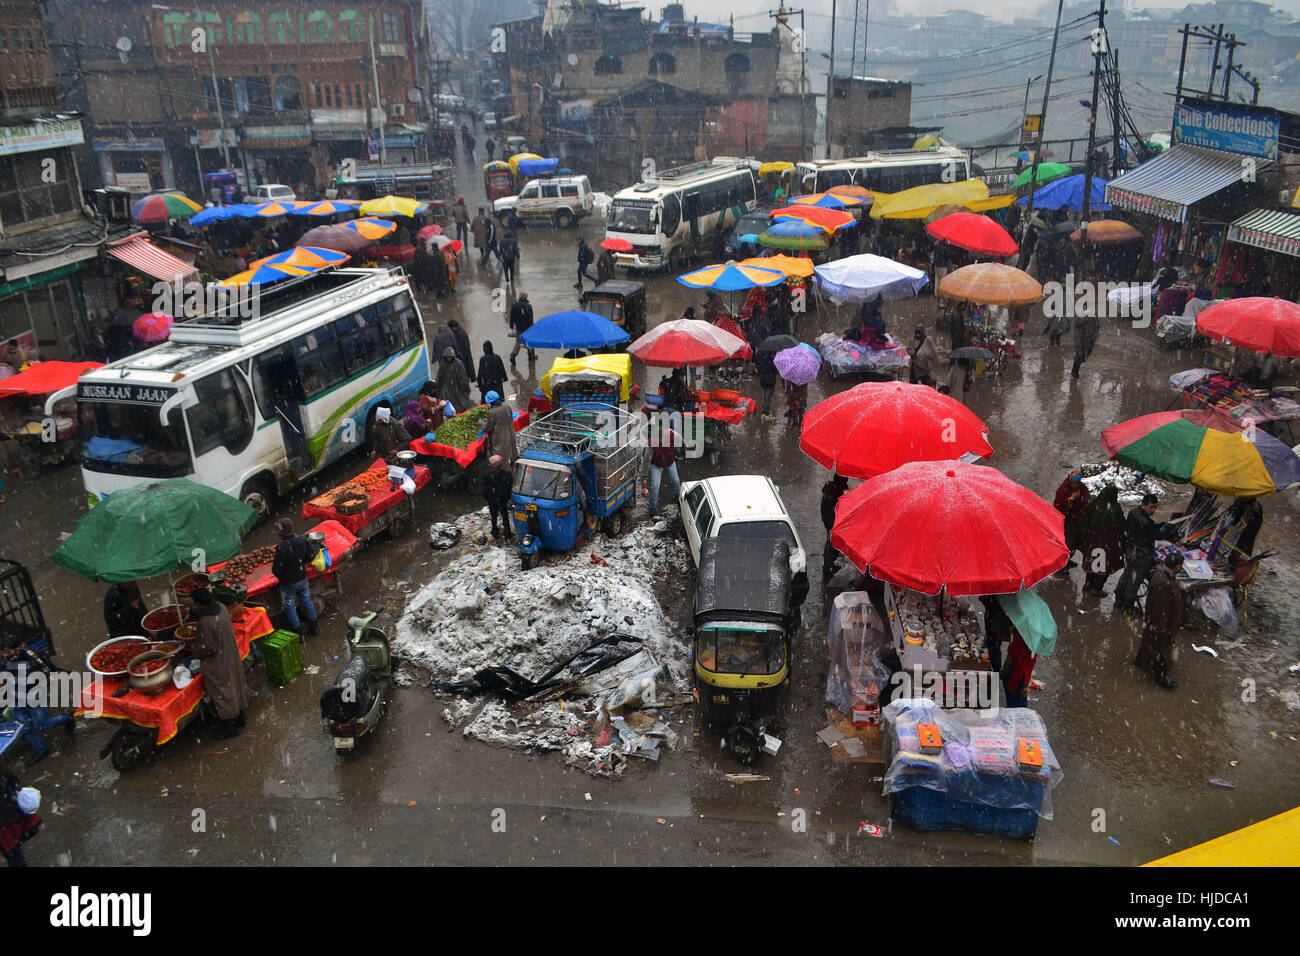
[414, 420]
[1101, 529]
[1072, 496]
[223, 671]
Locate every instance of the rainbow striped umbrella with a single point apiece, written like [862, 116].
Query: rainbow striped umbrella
[164, 206]
[265, 274]
[1205, 448]
[828, 200]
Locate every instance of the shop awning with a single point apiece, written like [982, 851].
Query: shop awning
[45, 377]
[1270, 229]
[148, 258]
[1168, 184]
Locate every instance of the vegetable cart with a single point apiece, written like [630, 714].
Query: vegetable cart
[259, 580]
[444, 455]
[370, 503]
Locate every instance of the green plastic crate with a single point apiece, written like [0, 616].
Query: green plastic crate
[283, 653]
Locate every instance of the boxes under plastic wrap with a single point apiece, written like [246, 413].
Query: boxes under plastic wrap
[857, 679]
[977, 781]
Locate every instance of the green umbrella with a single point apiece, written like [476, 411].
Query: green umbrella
[1032, 618]
[154, 529]
[1046, 173]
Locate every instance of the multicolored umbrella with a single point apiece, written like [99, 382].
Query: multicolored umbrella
[1102, 231]
[683, 342]
[573, 329]
[974, 233]
[326, 207]
[858, 192]
[446, 242]
[1046, 173]
[265, 275]
[831, 220]
[152, 327]
[308, 257]
[615, 244]
[798, 365]
[161, 207]
[1206, 449]
[792, 234]
[874, 427]
[1257, 323]
[949, 526]
[730, 277]
[386, 206]
[828, 200]
[990, 283]
[371, 229]
[270, 209]
[796, 267]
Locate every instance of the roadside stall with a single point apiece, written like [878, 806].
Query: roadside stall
[990, 284]
[250, 573]
[379, 499]
[47, 434]
[458, 441]
[1214, 391]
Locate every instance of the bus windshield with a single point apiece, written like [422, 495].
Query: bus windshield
[628, 218]
[538, 481]
[130, 440]
[730, 650]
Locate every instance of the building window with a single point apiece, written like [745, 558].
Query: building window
[288, 94]
[319, 27]
[609, 64]
[279, 27]
[352, 25]
[662, 64]
[25, 196]
[392, 28]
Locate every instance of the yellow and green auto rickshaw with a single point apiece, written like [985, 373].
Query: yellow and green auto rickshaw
[745, 610]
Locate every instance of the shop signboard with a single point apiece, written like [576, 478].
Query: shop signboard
[27, 137]
[1138, 202]
[213, 138]
[128, 145]
[136, 182]
[1228, 130]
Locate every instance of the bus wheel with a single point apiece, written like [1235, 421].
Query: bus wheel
[564, 219]
[258, 494]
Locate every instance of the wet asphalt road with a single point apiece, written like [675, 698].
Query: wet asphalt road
[417, 793]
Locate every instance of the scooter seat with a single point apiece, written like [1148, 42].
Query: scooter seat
[356, 623]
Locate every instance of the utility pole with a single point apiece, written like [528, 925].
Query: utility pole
[1098, 49]
[379, 101]
[1114, 114]
[830, 80]
[216, 92]
[1024, 113]
[1214, 67]
[1038, 142]
[1182, 65]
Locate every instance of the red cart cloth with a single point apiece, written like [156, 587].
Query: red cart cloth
[166, 709]
[728, 414]
[42, 378]
[338, 540]
[394, 253]
[380, 501]
[462, 456]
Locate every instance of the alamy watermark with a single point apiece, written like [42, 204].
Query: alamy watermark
[666, 429]
[949, 689]
[1109, 300]
[191, 299]
[30, 688]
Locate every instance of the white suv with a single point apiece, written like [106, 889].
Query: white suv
[562, 200]
[738, 506]
[272, 192]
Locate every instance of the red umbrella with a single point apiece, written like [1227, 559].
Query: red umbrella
[973, 232]
[616, 245]
[152, 327]
[875, 427]
[683, 342]
[427, 231]
[964, 529]
[1256, 323]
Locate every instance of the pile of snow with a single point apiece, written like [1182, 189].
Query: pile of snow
[483, 610]
[1131, 487]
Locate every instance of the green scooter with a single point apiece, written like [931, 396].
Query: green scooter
[351, 708]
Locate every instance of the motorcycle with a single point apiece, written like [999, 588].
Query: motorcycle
[352, 707]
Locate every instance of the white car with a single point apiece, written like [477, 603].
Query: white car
[559, 200]
[738, 506]
[272, 192]
[489, 120]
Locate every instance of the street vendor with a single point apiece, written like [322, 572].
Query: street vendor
[293, 555]
[832, 491]
[387, 435]
[499, 427]
[673, 387]
[1164, 616]
[124, 609]
[714, 308]
[496, 492]
[1072, 496]
[924, 357]
[1141, 534]
[432, 408]
[223, 671]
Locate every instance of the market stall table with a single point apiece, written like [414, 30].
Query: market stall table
[847, 357]
[339, 541]
[467, 455]
[386, 507]
[402, 253]
[1234, 399]
[159, 716]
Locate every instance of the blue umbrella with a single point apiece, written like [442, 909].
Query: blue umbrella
[731, 277]
[1068, 192]
[222, 213]
[573, 329]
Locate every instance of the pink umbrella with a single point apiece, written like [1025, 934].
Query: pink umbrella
[152, 327]
[427, 231]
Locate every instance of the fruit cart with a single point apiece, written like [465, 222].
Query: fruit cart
[370, 503]
[252, 571]
[150, 720]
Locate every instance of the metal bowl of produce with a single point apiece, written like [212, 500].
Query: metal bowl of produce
[185, 634]
[161, 623]
[317, 537]
[151, 671]
[111, 658]
[406, 458]
[187, 585]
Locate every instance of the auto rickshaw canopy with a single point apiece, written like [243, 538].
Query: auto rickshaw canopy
[513, 161]
[743, 576]
[496, 166]
[619, 364]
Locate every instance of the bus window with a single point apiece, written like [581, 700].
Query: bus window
[131, 440]
[672, 215]
[275, 377]
[223, 416]
[362, 342]
[320, 366]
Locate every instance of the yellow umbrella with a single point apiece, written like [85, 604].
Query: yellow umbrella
[990, 283]
[391, 206]
[513, 161]
[730, 276]
[788, 266]
[919, 201]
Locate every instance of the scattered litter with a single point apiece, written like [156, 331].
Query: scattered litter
[1216, 782]
[1114, 841]
[870, 829]
[1206, 650]
[443, 535]
[745, 778]
[660, 820]
[830, 736]
[853, 747]
[1289, 697]
[587, 797]
[1036, 684]
[1234, 763]
[1295, 668]
[311, 670]
[411, 804]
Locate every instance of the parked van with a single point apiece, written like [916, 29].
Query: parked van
[561, 200]
[272, 192]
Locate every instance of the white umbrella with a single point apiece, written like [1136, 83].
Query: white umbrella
[864, 277]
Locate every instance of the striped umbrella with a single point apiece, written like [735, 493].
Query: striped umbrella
[266, 274]
[832, 220]
[859, 192]
[269, 209]
[308, 257]
[730, 277]
[828, 200]
[164, 206]
[792, 234]
[371, 229]
[327, 207]
[1206, 449]
[798, 267]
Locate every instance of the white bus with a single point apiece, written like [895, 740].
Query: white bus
[253, 407]
[674, 216]
[889, 171]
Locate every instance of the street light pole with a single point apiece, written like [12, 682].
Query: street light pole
[1038, 140]
[830, 80]
[379, 103]
[1098, 49]
[1025, 112]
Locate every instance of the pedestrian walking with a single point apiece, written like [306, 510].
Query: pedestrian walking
[491, 373]
[491, 247]
[660, 461]
[223, 669]
[924, 358]
[496, 492]
[1072, 496]
[604, 267]
[1101, 529]
[1162, 619]
[463, 351]
[521, 320]
[1140, 535]
[499, 429]
[293, 555]
[438, 272]
[1086, 329]
[422, 269]
[452, 382]
[796, 403]
[490, 145]
[460, 216]
[442, 340]
[768, 376]
[585, 259]
[479, 228]
[509, 251]
[832, 491]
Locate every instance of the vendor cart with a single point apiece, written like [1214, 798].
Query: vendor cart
[452, 465]
[711, 415]
[846, 357]
[151, 720]
[384, 507]
[38, 411]
[338, 541]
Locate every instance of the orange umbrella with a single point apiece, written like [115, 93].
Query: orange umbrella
[990, 283]
[861, 192]
[1107, 230]
[789, 266]
[828, 219]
